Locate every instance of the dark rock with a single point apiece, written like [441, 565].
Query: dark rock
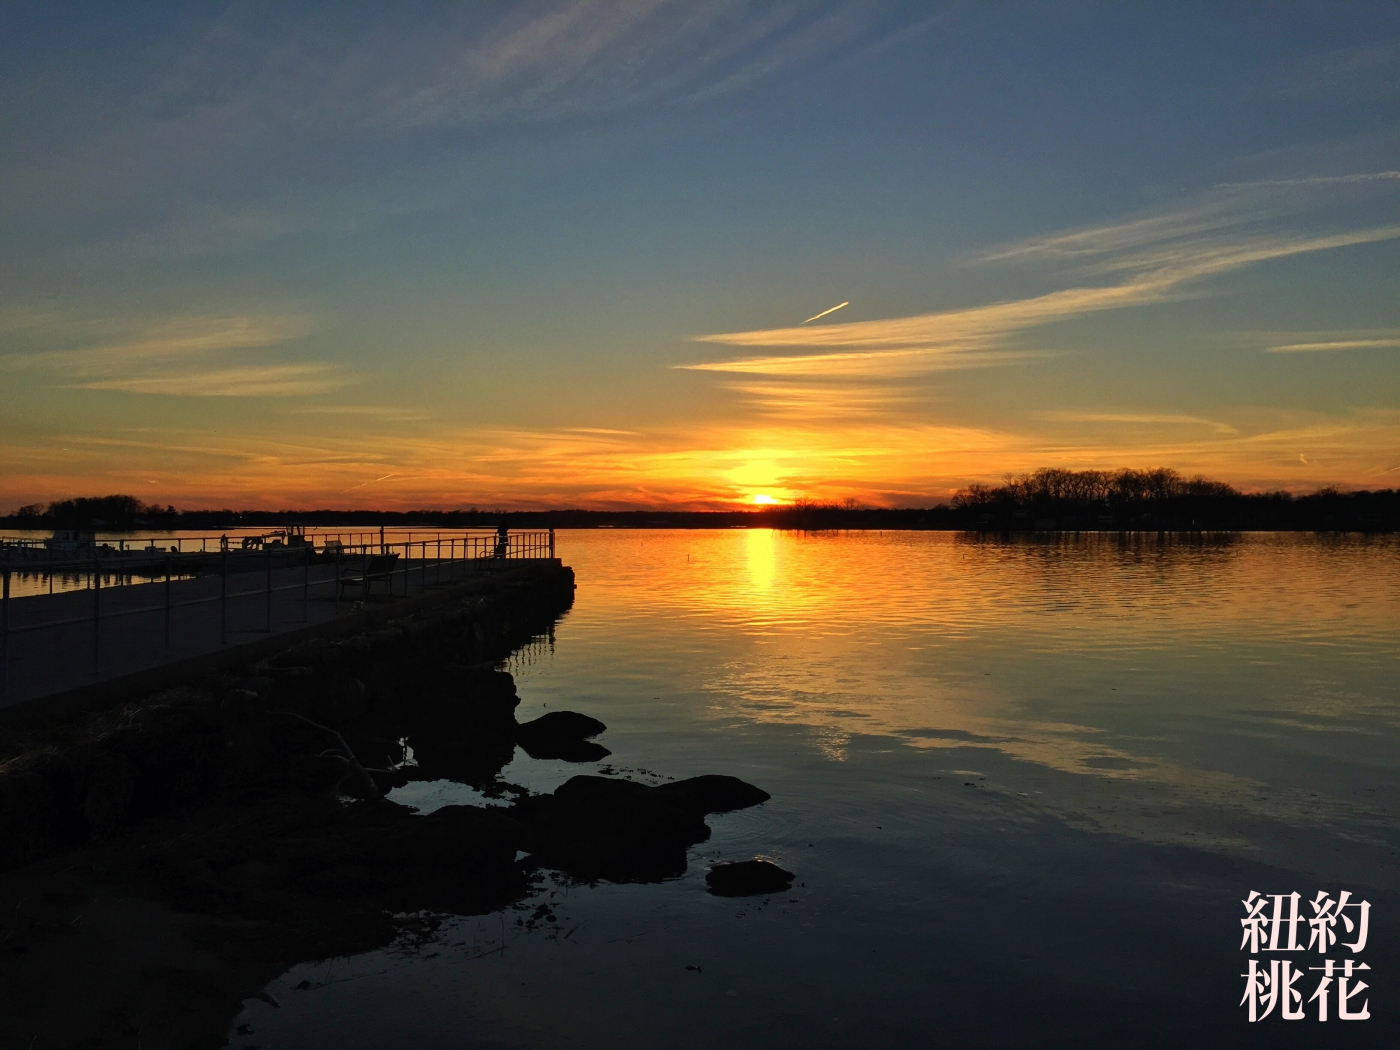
[471, 758]
[748, 878]
[602, 791]
[597, 828]
[713, 793]
[561, 725]
[562, 735]
[470, 699]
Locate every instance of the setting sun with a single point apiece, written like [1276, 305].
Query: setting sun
[764, 500]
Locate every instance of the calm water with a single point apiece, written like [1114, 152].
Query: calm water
[1024, 786]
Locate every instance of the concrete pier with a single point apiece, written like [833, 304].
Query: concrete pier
[101, 645]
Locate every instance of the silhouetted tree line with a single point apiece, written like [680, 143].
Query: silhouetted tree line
[1044, 499]
[99, 512]
[1085, 490]
[1162, 499]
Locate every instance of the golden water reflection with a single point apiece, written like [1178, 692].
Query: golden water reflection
[1136, 673]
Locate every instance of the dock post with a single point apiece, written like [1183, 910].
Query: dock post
[306, 584]
[551, 543]
[167, 605]
[338, 552]
[96, 615]
[268, 551]
[223, 596]
[382, 549]
[5, 637]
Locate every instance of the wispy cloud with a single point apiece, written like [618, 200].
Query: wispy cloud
[1354, 179]
[186, 356]
[1136, 419]
[889, 364]
[175, 337]
[181, 164]
[1158, 257]
[389, 413]
[825, 402]
[451, 66]
[246, 381]
[1232, 216]
[976, 337]
[1334, 344]
[954, 330]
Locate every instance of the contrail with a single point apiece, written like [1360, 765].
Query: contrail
[825, 312]
[362, 484]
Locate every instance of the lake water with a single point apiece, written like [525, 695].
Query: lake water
[1025, 785]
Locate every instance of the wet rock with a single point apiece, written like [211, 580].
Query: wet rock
[604, 828]
[604, 791]
[748, 878]
[562, 725]
[713, 793]
[466, 700]
[474, 758]
[562, 735]
[597, 828]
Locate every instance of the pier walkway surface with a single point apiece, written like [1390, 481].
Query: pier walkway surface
[99, 637]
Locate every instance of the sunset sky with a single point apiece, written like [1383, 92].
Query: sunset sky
[406, 256]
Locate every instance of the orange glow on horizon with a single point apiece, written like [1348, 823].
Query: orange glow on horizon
[322, 462]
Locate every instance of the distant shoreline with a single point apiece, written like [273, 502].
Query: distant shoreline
[1340, 512]
[1051, 499]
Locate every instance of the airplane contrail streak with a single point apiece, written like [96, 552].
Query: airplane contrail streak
[362, 484]
[825, 312]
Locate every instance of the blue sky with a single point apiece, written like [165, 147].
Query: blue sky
[558, 254]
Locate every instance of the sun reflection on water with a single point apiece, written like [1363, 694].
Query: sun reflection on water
[1142, 662]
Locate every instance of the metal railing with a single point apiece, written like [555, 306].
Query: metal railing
[353, 572]
[16, 548]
